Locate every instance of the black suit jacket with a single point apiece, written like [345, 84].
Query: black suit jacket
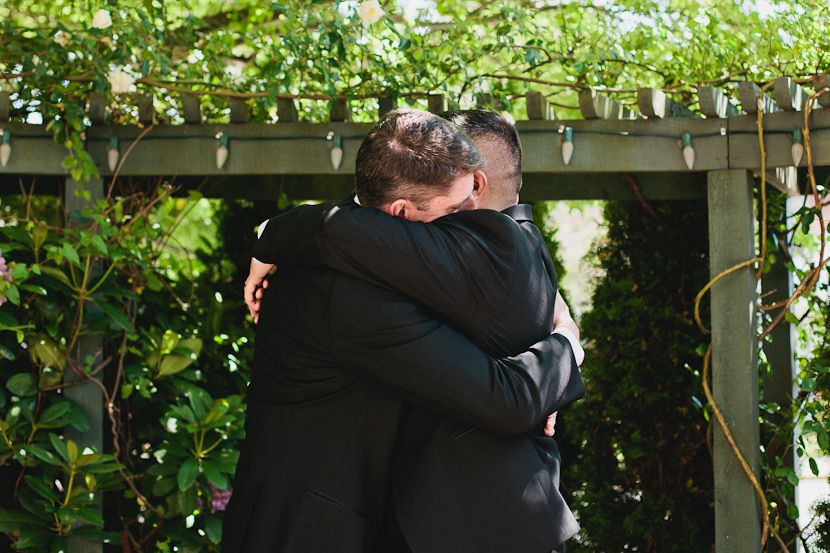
[456, 488]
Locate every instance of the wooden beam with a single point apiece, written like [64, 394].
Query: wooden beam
[97, 109]
[192, 109]
[537, 106]
[714, 103]
[239, 110]
[437, 103]
[385, 105]
[655, 103]
[488, 101]
[734, 360]
[789, 96]
[146, 110]
[291, 148]
[823, 82]
[614, 146]
[752, 99]
[594, 105]
[4, 107]
[536, 187]
[286, 110]
[340, 111]
[778, 129]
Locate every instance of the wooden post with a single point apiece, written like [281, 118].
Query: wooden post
[340, 110]
[385, 105]
[86, 394]
[734, 360]
[437, 103]
[538, 107]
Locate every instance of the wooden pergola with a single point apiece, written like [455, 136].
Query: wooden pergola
[618, 154]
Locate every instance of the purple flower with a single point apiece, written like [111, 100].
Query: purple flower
[219, 501]
[4, 275]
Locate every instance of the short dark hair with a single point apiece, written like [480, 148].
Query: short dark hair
[484, 125]
[412, 154]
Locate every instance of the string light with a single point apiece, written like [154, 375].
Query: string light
[221, 150]
[797, 149]
[113, 153]
[5, 147]
[688, 149]
[567, 144]
[566, 133]
[336, 152]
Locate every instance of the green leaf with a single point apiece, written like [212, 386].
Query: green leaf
[103, 468]
[35, 289]
[57, 274]
[14, 521]
[71, 451]
[813, 466]
[48, 353]
[70, 253]
[6, 353]
[55, 413]
[32, 538]
[7, 319]
[117, 316]
[39, 235]
[213, 528]
[214, 475]
[188, 501]
[99, 245]
[78, 419]
[97, 535]
[823, 438]
[88, 459]
[43, 489]
[164, 486]
[44, 455]
[61, 447]
[188, 473]
[174, 363]
[22, 384]
[13, 295]
[90, 515]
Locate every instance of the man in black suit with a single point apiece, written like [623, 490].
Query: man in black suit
[330, 388]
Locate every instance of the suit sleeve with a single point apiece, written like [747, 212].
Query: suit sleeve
[451, 265]
[433, 365]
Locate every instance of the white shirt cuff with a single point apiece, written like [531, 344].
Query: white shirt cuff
[261, 228]
[579, 353]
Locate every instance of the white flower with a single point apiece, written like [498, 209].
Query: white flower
[102, 19]
[370, 12]
[121, 80]
[63, 38]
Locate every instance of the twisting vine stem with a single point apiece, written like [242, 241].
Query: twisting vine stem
[807, 283]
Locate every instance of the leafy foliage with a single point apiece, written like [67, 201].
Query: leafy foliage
[114, 272]
[643, 453]
[56, 54]
[172, 346]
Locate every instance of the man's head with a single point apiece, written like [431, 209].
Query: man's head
[416, 165]
[498, 141]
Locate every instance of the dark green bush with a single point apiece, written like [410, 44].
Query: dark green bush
[642, 479]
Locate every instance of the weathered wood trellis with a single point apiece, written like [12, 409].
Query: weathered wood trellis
[613, 147]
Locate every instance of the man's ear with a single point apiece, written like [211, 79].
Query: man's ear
[399, 208]
[479, 185]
